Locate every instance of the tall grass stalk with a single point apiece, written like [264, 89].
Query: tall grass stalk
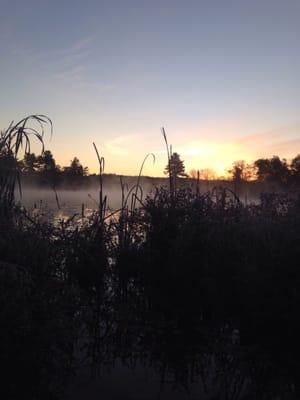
[13, 140]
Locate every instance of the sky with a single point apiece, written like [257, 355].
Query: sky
[222, 78]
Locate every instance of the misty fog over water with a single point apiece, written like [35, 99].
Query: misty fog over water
[71, 201]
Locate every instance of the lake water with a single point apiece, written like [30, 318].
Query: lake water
[70, 202]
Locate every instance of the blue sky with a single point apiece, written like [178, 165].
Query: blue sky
[221, 76]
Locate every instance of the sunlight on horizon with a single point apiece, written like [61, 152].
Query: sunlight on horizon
[222, 78]
[123, 156]
[210, 147]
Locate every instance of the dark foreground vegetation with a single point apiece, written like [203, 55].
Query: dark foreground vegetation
[199, 287]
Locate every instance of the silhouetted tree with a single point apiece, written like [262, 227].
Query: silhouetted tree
[30, 163]
[237, 171]
[175, 168]
[46, 161]
[76, 169]
[49, 172]
[272, 170]
[75, 172]
[241, 171]
[295, 167]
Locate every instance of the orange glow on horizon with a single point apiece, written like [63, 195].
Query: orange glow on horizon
[124, 153]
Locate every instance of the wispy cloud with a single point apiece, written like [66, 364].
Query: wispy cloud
[73, 67]
[282, 141]
[71, 74]
[82, 44]
[120, 145]
[68, 65]
[77, 49]
[273, 133]
[71, 63]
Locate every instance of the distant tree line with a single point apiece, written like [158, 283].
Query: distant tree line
[269, 170]
[46, 171]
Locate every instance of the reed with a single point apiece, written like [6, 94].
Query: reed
[16, 138]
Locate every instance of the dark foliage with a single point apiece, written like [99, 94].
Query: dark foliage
[196, 286]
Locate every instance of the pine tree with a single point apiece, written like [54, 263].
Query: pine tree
[175, 168]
